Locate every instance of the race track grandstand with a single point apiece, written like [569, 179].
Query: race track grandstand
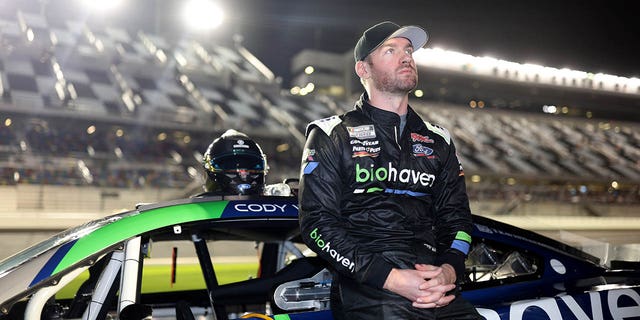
[94, 118]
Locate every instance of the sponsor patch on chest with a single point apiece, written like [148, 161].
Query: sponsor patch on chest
[362, 132]
[420, 138]
[364, 148]
[420, 150]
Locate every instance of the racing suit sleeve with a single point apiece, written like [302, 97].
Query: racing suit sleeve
[322, 227]
[453, 217]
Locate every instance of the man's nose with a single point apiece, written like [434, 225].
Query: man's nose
[407, 58]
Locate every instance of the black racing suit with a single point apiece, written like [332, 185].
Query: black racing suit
[373, 198]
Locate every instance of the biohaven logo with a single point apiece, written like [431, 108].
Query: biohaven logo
[326, 247]
[392, 174]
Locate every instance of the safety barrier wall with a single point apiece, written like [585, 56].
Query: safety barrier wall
[90, 200]
[49, 199]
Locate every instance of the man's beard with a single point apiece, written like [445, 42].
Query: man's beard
[386, 82]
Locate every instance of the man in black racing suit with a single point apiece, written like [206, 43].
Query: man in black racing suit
[382, 195]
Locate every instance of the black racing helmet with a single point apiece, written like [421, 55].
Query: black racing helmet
[234, 164]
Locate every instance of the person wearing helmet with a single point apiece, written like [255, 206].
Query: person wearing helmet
[234, 165]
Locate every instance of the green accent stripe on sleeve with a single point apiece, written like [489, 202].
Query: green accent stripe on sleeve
[461, 235]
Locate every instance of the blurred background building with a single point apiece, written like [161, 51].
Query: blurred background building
[100, 110]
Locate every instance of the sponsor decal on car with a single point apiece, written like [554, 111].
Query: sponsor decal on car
[609, 304]
[263, 207]
[260, 208]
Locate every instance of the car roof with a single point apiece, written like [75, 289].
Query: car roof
[217, 218]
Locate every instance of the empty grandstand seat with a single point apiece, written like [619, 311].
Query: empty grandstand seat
[23, 91]
[35, 30]
[238, 64]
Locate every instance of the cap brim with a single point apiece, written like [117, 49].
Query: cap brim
[416, 35]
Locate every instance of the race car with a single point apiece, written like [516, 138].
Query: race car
[232, 257]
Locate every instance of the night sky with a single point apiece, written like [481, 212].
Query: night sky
[582, 35]
[593, 36]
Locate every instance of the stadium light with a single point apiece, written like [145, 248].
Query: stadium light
[282, 147]
[203, 15]
[30, 35]
[310, 86]
[549, 109]
[528, 72]
[583, 189]
[193, 172]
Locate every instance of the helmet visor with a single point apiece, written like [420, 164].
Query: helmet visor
[247, 162]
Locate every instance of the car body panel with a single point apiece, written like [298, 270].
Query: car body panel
[546, 278]
[622, 303]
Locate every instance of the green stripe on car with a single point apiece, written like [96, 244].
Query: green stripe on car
[136, 224]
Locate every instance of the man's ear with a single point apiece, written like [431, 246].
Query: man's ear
[361, 69]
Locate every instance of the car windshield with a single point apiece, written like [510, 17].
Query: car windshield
[36, 250]
[603, 250]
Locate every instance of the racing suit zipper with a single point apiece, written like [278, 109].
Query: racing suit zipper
[395, 133]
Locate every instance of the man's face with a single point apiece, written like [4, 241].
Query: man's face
[392, 67]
